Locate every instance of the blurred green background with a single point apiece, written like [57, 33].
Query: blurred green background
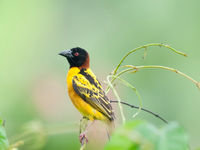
[32, 74]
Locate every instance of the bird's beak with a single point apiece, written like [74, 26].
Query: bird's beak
[66, 53]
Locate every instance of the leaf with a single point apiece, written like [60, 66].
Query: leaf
[140, 135]
[172, 137]
[3, 139]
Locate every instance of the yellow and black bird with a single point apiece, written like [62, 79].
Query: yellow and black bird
[84, 89]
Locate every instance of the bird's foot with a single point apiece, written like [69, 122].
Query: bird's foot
[83, 139]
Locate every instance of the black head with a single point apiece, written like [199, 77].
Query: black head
[76, 57]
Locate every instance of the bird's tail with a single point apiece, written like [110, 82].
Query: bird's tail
[110, 128]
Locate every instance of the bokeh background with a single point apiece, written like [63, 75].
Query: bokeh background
[32, 74]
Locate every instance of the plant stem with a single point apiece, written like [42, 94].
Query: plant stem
[118, 98]
[146, 46]
[136, 68]
[115, 77]
[136, 92]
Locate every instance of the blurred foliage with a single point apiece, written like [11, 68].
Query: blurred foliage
[3, 138]
[34, 136]
[140, 135]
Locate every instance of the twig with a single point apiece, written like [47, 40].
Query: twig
[146, 110]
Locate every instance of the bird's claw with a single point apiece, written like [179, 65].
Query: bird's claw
[83, 139]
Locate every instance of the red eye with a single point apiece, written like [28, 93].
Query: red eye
[76, 54]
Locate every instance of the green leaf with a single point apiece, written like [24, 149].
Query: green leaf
[172, 137]
[140, 135]
[3, 139]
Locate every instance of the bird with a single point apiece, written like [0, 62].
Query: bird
[85, 90]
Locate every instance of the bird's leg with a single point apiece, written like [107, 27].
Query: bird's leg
[82, 138]
[83, 126]
[83, 129]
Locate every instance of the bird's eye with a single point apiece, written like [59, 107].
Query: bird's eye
[76, 54]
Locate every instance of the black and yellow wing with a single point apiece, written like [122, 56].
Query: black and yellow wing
[90, 90]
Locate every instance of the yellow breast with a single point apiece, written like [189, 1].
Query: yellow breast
[84, 108]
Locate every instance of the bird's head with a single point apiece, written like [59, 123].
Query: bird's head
[77, 57]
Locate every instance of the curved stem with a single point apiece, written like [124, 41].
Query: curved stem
[145, 46]
[115, 77]
[166, 68]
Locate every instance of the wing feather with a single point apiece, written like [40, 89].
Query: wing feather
[89, 89]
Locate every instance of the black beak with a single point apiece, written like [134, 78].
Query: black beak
[66, 53]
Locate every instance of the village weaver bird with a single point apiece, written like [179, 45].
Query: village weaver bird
[85, 91]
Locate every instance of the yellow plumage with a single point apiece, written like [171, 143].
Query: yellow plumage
[90, 106]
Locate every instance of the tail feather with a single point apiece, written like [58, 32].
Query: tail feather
[110, 128]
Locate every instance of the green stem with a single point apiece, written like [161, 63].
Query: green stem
[166, 68]
[83, 146]
[118, 98]
[115, 77]
[145, 46]
[136, 92]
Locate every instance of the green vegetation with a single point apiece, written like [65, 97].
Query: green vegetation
[140, 135]
[3, 138]
[134, 69]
